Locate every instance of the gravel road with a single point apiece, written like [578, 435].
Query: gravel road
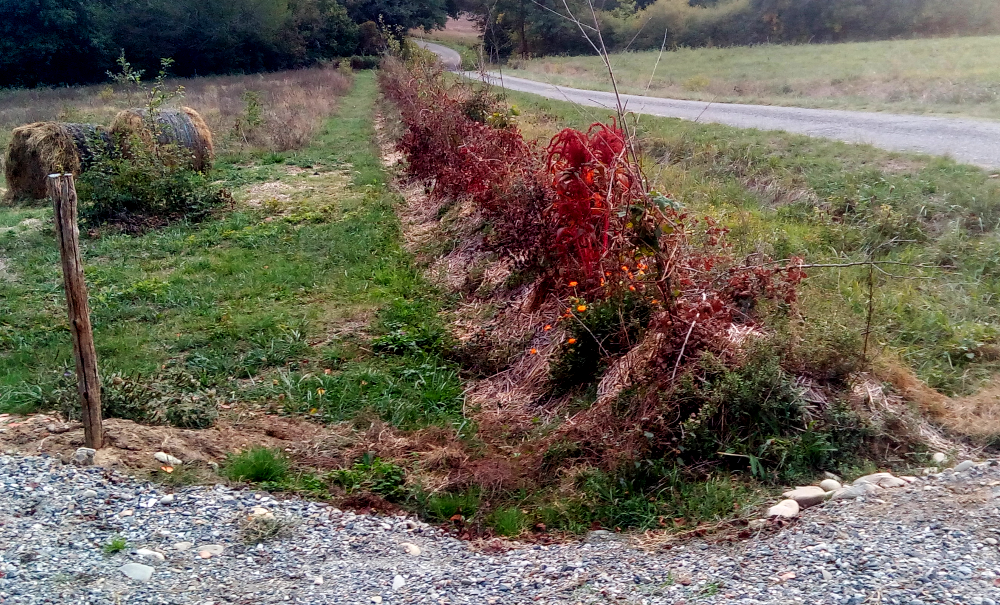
[969, 141]
[934, 541]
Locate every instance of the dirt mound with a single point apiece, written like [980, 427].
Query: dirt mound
[130, 446]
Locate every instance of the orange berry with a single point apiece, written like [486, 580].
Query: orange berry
[534, 351]
[547, 328]
[581, 308]
[572, 284]
[624, 269]
[571, 341]
[632, 288]
[655, 302]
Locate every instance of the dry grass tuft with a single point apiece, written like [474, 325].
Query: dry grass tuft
[913, 389]
[976, 415]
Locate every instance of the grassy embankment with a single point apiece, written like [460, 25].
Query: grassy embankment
[289, 279]
[940, 76]
[831, 202]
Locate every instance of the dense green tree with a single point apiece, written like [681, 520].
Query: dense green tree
[52, 41]
[402, 15]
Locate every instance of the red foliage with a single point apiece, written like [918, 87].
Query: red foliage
[463, 157]
[579, 209]
[593, 179]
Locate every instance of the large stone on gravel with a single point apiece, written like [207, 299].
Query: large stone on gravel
[150, 554]
[210, 550]
[855, 491]
[884, 480]
[829, 485]
[807, 496]
[411, 548]
[83, 456]
[964, 466]
[166, 458]
[137, 571]
[786, 508]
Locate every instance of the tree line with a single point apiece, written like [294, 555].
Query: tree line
[540, 27]
[78, 41]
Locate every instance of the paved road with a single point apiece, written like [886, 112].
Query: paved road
[451, 59]
[974, 142]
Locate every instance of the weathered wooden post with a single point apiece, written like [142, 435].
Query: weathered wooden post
[63, 193]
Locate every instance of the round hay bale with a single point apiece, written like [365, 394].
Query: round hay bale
[43, 148]
[183, 127]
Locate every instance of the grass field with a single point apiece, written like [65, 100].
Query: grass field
[941, 76]
[263, 112]
[285, 285]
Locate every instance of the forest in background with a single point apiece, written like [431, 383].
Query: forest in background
[531, 28]
[78, 41]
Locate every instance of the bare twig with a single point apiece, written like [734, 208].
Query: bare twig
[681, 355]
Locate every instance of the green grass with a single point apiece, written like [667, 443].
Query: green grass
[831, 202]
[257, 465]
[115, 545]
[252, 301]
[508, 521]
[943, 76]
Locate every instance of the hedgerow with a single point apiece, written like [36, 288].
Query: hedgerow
[663, 346]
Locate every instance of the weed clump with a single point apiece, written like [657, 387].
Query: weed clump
[172, 396]
[257, 465]
[115, 545]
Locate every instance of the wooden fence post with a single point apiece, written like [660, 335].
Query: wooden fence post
[63, 194]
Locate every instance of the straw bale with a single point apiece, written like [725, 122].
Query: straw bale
[183, 127]
[43, 148]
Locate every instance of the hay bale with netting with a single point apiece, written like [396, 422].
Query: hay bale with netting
[183, 127]
[43, 148]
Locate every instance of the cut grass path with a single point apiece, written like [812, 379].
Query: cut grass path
[265, 295]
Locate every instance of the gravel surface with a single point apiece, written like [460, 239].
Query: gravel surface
[974, 142]
[934, 541]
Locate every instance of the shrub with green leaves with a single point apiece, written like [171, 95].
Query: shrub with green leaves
[257, 465]
[609, 328]
[172, 396]
[146, 190]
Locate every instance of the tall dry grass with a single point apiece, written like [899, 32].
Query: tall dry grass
[261, 112]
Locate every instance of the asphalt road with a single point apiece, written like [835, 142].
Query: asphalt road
[451, 59]
[969, 141]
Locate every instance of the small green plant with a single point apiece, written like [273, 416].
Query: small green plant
[115, 545]
[446, 507]
[129, 78]
[257, 465]
[371, 474]
[508, 521]
[252, 118]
